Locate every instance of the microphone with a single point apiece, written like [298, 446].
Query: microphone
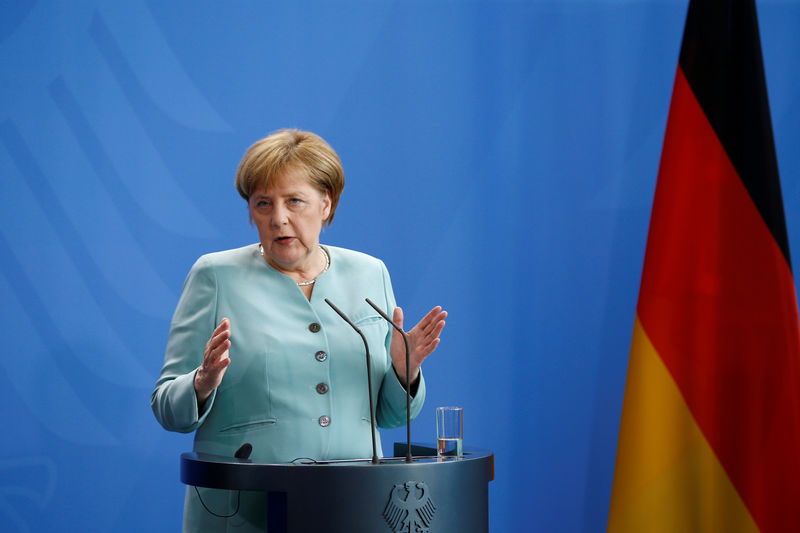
[369, 377]
[244, 451]
[408, 381]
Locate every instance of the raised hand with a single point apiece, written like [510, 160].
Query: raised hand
[422, 341]
[215, 362]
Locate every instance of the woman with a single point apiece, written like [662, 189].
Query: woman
[256, 355]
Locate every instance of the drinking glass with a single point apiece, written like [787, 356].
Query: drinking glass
[449, 431]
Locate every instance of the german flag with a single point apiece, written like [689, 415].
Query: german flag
[710, 432]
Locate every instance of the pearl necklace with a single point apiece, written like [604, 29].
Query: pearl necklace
[311, 281]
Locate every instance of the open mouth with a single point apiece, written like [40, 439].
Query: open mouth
[283, 239]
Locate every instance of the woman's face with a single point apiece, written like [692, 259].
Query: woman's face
[289, 216]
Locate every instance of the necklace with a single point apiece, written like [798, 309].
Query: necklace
[311, 281]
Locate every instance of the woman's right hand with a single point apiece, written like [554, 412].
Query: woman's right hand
[215, 362]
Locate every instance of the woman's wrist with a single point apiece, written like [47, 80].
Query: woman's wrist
[415, 378]
[202, 392]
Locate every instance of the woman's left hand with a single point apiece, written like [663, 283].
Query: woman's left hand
[422, 341]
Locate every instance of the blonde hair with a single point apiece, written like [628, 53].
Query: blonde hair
[266, 159]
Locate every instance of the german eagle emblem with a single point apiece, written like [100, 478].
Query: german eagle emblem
[410, 508]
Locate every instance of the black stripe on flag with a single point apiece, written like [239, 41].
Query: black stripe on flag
[721, 59]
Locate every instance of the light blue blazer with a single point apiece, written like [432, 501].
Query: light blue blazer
[296, 385]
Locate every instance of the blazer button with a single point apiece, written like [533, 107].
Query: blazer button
[314, 327]
[321, 356]
[322, 388]
[324, 421]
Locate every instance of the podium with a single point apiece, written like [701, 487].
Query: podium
[428, 494]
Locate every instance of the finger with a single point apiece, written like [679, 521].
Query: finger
[218, 353]
[427, 349]
[436, 322]
[219, 349]
[213, 373]
[428, 341]
[212, 357]
[398, 317]
[432, 318]
[438, 327]
[224, 328]
[222, 364]
[432, 332]
[224, 324]
[220, 334]
[218, 339]
[218, 343]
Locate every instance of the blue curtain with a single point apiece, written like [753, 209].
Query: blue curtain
[500, 157]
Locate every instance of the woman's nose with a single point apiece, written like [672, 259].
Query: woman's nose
[280, 216]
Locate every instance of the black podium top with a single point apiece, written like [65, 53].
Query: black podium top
[439, 495]
[220, 472]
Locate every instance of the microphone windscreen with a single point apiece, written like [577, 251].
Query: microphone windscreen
[244, 451]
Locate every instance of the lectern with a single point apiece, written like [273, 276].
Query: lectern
[448, 495]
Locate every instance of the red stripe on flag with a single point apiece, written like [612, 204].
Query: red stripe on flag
[718, 302]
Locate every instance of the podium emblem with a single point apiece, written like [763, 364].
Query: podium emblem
[410, 508]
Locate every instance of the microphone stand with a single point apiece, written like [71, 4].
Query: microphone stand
[408, 376]
[369, 377]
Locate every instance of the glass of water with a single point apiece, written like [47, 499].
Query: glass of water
[449, 431]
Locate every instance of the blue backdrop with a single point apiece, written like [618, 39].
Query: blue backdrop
[512, 146]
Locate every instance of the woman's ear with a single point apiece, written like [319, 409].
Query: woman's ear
[326, 206]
